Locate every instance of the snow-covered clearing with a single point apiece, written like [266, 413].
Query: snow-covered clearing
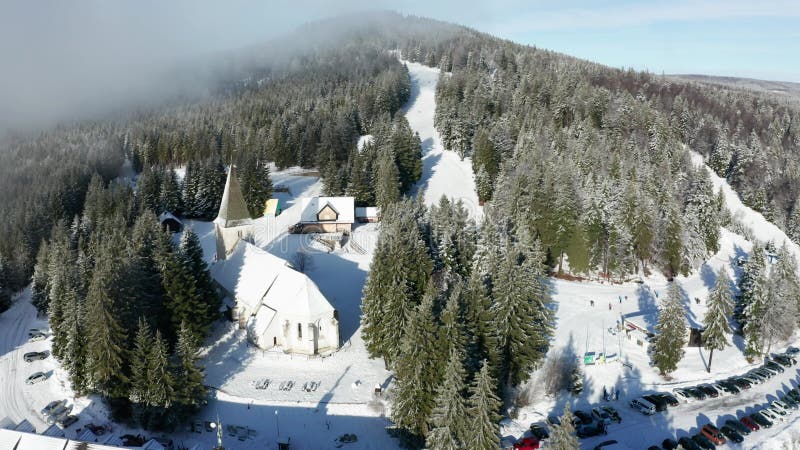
[443, 172]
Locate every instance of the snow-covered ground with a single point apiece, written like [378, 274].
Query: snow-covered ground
[443, 172]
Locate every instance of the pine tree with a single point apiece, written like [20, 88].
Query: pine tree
[483, 185]
[190, 392]
[780, 315]
[386, 180]
[139, 360]
[170, 196]
[161, 394]
[671, 328]
[483, 430]
[256, 184]
[40, 297]
[563, 435]
[185, 302]
[672, 249]
[192, 252]
[448, 418]
[720, 307]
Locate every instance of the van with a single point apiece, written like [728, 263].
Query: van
[644, 406]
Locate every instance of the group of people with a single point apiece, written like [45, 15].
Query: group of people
[591, 302]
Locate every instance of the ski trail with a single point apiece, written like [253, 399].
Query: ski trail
[443, 172]
[763, 230]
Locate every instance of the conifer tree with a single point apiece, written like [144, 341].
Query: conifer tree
[139, 360]
[780, 315]
[448, 418]
[672, 249]
[256, 184]
[563, 435]
[190, 392]
[386, 180]
[192, 252]
[161, 393]
[170, 197]
[40, 297]
[671, 328]
[418, 372]
[754, 291]
[720, 307]
[483, 430]
[185, 302]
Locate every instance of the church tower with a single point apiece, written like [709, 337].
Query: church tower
[233, 222]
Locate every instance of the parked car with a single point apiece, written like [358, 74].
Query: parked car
[732, 434]
[761, 374]
[781, 405]
[47, 410]
[729, 386]
[792, 351]
[605, 444]
[750, 423]
[66, 421]
[658, 402]
[683, 396]
[584, 417]
[585, 431]
[36, 378]
[790, 402]
[713, 434]
[719, 388]
[36, 335]
[527, 443]
[688, 444]
[553, 419]
[785, 361]
[601, 416]
[776, 411]
[34, 356]
[708, 390]
[703, 442]
[612, 413]
[761, 420]
[669, 444]
[539, 431]
[740, 382]
[698, 394]
[669, 398]
[57, 414]
[774, 366]
[644, 406]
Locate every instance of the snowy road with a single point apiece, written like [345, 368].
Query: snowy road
[443, 172]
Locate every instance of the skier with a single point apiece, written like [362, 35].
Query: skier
[591, 302]
[616, 395]
[605, 394]
[620, 299]
[609, 306]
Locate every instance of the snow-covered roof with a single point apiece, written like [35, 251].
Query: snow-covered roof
[260, 322]
[9, 439]
[167, 215]
[25, 427]
[257, 277]
[311, 206]
[28, 441]
[294, 293]
[367, 211]
[233, 209]
[247, 273]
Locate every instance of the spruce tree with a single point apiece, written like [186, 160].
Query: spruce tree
[754, 291]
[386, 180]
[256, 184]
[170, 196]
[448, 418]
[483, 430]
[139, 360]
[563, 435]
[161, 394]
[671, 328]
[185, 302]
[720, 307]
[672, 249]
[40, 297]
[192, 252]
[190, 392]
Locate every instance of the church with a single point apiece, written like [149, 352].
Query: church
[277, 305]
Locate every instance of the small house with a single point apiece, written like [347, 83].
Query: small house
[326, 215]
[169, 222]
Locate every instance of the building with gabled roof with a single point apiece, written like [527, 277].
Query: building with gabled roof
[279, 306]
[326, 215]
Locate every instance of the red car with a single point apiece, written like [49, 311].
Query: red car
[528, 443]
[749, 423]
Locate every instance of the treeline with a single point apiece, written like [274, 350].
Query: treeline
[128, 307]
[500, 91]
[460, 315]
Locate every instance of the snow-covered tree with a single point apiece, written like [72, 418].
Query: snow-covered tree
[753, 288]
[671, 329]
[449, 416]
[483, 431]
[563, 435]
[720, 308]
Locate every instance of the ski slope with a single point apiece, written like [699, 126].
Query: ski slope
[443, 172]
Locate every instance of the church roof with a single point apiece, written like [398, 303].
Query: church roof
[233, 209]
[255, 277]
[344, 206]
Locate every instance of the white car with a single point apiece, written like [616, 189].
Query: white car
[36, 378]
[770, 414]
[52, 406]
[682, 396]
[781, 406]
[751, 379]
[36, 335]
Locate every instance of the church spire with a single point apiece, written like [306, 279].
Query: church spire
[233, 209]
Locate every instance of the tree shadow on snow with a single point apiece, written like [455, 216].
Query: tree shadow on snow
[429, 162]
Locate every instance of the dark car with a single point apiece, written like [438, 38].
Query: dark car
[66, 421]
[540, 431]
[740, 382]
[583, 416]
[703, 442]
[34, 356]
[585, 431]
[729, 386]
[552, 419]
[750, 423]
[669, 398]
[738, 426]
[790, 401]
[731, 434]
[669, 444]
[698, 394]
[689, 444]
[612, 412]
[774, 366]
[783, 360]
[761, 420]
[654, 447]
[709, 391]
[603, 444]
[658, 402]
